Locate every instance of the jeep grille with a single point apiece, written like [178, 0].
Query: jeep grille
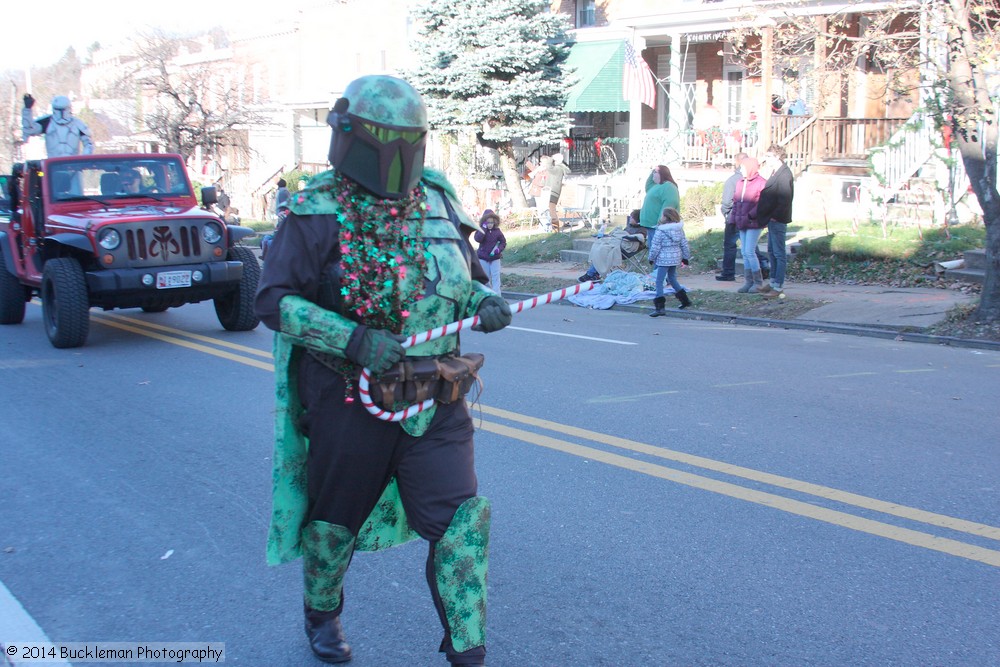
[164, 244]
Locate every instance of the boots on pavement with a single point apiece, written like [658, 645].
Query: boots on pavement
[747, 281]
[658, 306]
[758, 284]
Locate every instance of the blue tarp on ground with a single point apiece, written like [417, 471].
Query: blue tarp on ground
[619, 287]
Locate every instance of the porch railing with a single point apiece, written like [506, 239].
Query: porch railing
[811, 139]
[909, 151]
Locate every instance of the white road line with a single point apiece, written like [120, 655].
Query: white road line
[566, 335]
[19, 627]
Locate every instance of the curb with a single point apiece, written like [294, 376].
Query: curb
[805, 325]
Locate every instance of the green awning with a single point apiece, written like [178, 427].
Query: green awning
[598, 67]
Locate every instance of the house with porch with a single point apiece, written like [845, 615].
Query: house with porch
[710, 105]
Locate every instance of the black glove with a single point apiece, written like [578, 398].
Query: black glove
[685, 262]
[494, 314]
[29, 101]
[375, 349]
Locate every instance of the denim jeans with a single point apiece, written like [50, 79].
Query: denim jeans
[492, 269]
[748, 246]
[670, 273]
[729, 237]
[777, 232]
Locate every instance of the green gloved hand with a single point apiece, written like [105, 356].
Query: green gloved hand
[375, 349]
[494, 314]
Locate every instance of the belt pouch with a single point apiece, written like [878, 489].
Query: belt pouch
[458, 374]
[421, 379]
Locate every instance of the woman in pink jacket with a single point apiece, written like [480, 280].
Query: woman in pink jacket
[744, 215]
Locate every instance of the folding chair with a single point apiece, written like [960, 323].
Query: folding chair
[586, 211]
[634, 255]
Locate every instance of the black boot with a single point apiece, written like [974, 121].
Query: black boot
[658, 304]
[682, 296]
[326, 636]
[326, 553]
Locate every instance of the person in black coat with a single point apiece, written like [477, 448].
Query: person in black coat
[775, 210]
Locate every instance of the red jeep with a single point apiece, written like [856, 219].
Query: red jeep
[118, 231]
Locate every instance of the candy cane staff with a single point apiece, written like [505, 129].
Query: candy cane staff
[454, 327]
[374, 250]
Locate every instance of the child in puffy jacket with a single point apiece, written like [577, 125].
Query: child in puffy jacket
[491, 245]
[670, 248]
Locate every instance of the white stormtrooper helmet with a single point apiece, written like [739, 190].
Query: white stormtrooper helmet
[61, 111]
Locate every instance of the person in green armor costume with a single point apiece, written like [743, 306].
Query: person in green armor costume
[374, 250]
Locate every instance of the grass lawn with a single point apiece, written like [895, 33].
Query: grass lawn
[834, 253]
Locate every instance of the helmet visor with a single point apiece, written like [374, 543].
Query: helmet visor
[386, 159]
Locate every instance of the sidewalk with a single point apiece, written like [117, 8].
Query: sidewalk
[858, 309]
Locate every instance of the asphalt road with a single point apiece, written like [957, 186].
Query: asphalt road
[664, 492]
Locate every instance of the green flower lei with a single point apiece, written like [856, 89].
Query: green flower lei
[380, 244]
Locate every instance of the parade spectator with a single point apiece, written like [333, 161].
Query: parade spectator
[775, 211]
[632, 228]
[557, 173]
[670, 249]
[661, 193]
[744, 216]
[491, 246]
[730, 235]
[539, 190]
[281, 195]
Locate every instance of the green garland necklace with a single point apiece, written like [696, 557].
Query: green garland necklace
[380, 245]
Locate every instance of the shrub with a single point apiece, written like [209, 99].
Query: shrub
[700, 202]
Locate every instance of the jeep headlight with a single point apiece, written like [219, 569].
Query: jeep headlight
[211, 232]
[109, 239]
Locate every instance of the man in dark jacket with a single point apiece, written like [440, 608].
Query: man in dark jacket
[731, 235]
[775, 209]
[554, 182]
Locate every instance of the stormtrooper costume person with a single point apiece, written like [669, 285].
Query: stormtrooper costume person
[64, 133]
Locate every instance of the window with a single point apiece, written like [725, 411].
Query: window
[585, 13]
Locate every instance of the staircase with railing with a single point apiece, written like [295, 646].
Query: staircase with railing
[915, 149]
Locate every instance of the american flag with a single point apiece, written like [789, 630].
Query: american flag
[638, 81]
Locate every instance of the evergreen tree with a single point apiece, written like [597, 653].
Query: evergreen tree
[495, 67]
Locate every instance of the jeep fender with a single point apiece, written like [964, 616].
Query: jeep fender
[8, 256]
[237, 233]
[77, 241]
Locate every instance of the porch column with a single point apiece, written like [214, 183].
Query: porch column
[635, 113]
[677, 117]
[766, 75]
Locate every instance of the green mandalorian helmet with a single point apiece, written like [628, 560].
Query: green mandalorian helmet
[379, 135]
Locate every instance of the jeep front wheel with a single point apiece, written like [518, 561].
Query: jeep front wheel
[12, 296]
[65, 305]
[235, 310]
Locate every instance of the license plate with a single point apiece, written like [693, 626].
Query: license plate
[171, 279]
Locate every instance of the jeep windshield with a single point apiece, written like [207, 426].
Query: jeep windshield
[118, 178]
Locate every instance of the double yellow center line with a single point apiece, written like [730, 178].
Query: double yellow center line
[955, 547]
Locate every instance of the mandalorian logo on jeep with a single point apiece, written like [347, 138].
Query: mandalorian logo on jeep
[163, 244]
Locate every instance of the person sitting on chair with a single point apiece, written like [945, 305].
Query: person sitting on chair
[632, 228]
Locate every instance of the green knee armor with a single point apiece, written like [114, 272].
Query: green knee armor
[460, 564]
[326, 552]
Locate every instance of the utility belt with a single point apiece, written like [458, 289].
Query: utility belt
[446, 379]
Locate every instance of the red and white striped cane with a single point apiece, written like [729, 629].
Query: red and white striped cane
[433, 334]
